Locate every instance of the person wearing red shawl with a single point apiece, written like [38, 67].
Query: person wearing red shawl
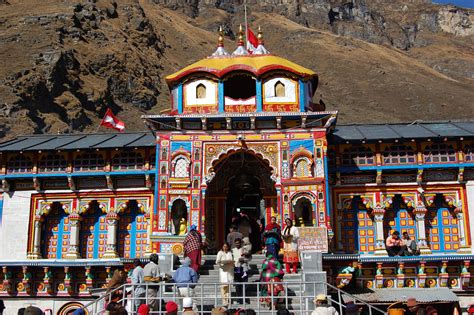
[192, 247]
[272, 237]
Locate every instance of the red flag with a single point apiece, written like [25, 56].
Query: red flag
[110, 121]
[252, 41]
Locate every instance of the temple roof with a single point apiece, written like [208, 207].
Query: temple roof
[256, 64]
[415, 130]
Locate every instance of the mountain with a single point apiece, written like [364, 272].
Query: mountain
[63, 62]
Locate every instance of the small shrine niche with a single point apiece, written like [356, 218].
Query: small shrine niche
[303, 210]
[179, 215]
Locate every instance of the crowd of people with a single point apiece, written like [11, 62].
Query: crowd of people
[233, 264]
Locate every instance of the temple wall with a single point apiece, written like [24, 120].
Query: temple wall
[15, 221]
[470, 206]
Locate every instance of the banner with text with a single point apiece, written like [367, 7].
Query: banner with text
[313, 238]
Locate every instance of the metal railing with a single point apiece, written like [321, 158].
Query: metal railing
[296, 296]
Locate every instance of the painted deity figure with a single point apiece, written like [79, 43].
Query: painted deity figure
[183, 226]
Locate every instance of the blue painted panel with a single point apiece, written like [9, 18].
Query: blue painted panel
[307, 144]
[157, 169]
[175, 146]
[220, 96]
[180, 98]
[1, 208]
[328, 195]
[302, 91]
[259, 97]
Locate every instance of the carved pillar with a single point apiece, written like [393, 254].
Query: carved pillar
[379, 276]
[421, 275]
[73, 249]
[149, 228]
[400, 275]
[36, 250]
[46, 288]
[379, 213]
[443, 275]
[65, 288]
[6, 281]
[89, 279]
[111, 249]
[465, 274]
[420, 213]
[24, 287]
[463, 248]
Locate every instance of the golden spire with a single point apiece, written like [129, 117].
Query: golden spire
[241, 35]
[260, 36]
[221, 37]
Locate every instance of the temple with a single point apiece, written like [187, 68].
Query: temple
[241, 142]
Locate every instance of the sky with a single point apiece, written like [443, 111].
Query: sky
[459, 3]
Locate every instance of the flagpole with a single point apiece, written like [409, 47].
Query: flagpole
[246, 30]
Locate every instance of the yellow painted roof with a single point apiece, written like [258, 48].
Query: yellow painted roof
[257, 64]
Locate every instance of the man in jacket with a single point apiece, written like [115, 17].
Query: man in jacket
[185, 278]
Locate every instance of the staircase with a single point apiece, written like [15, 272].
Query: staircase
[209, 274]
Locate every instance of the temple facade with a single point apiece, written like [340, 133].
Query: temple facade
[241, 142]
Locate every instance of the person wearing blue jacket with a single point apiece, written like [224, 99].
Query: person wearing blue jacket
[186, 278]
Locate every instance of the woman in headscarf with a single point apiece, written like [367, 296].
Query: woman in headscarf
[272, 272]
[272, 236]
[118, 278]
[290, 236]
[225, 261]
[192, 247]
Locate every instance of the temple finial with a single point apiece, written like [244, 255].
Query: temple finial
[261, 50]
[221, 37]
[260, 36]
[241, 35]
[220, 51]
[241, 50]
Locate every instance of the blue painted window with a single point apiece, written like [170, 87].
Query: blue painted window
[398, 217]
[93, 233]
[358, 228]
[132, 232]
[441, 226]
[55, 233]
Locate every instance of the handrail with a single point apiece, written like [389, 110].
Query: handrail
[212, 296]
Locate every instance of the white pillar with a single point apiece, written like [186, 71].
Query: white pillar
[36, 252]
[463, 247]
[111, 249]
[73, 249]
[379, 213]
[470, 210]
[420, 213]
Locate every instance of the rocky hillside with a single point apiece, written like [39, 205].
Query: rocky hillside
[62, 62]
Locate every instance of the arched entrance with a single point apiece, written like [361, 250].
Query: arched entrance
[240, 193]
[303, 209]
[179, 216]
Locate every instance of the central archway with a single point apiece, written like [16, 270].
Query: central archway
[241, 193]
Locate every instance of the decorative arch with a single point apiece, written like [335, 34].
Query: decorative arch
[200, 91]
[306, 194]
[180, 166]
[179, 209]
[266, 153]
[132, 235]
[279, 89]
[303, 205]
[70, 307]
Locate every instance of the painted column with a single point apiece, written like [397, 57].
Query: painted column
[470, 211]
[302, 95]
[379, 213]
[259, 97]
[73, 249]
[149, 231]
[463, 248]
[420, 213]
[202, 226]
[180, 98]
[36, 252]
[111, 249]
[220, 96]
